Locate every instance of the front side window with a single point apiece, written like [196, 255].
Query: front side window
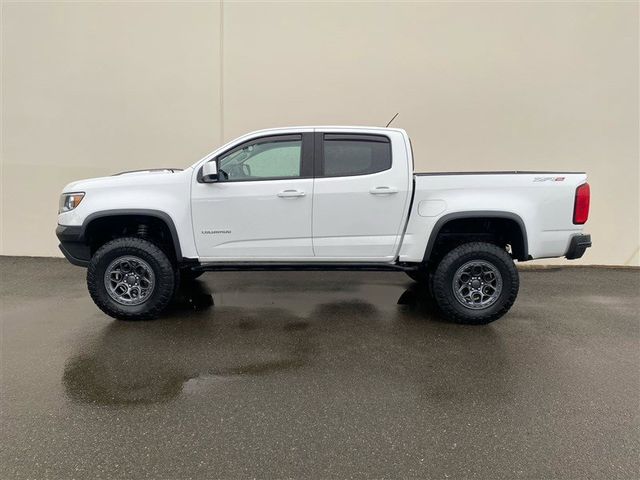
[346, 155]
[262, 159]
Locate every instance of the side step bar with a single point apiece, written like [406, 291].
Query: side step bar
[292, 266]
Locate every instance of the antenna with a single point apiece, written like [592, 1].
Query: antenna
[394, 117]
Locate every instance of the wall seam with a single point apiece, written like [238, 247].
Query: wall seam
[221, 78]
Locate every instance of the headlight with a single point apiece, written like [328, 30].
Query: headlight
[69, 201]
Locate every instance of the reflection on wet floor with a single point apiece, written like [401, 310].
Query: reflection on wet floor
[147, 362]
[193, 294]
[318, 375]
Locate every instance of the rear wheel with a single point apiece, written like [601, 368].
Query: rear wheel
[131, 279]
[475, 283]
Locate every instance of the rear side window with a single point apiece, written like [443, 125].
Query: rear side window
[346, 155]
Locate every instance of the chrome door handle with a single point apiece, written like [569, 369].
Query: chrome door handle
[383, 190]
[290, 193]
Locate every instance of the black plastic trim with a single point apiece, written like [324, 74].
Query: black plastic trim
[295, 266]
[318, 154]
[357, 137]
[72, 244]
[74, 253]
[69, 233]
[578, 245]
[139, 211]
[477, 214]
[73, 238]
[172, 170]
[307, 160]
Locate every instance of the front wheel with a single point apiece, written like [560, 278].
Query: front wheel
[131, 279]
[475, 283]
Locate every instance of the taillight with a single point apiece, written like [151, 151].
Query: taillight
[581, 205]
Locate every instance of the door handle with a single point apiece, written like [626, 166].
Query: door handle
[290, 193]
[383, 190]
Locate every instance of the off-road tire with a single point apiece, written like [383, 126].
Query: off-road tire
[443, 279]
[166, 278]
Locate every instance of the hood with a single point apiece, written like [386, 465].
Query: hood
[132, 177]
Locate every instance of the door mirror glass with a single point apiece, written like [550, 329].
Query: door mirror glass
[210, 172]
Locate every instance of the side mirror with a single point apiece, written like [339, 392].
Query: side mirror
[210, 172]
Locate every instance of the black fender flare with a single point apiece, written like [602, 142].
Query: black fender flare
[442, 221]
[159, 214]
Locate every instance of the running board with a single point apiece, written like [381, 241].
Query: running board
[293, 266]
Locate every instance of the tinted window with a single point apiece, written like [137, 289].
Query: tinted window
[262, 160]
[346, 155]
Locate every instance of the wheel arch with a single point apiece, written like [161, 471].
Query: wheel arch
[158, 215]
[522, 249]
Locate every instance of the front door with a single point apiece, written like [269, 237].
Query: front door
[361, 196]
[260, 207]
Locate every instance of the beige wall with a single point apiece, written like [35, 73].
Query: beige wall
[93, 88]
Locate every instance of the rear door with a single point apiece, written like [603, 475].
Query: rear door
[361, 195]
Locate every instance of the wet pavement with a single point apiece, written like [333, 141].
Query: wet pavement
[319, 375]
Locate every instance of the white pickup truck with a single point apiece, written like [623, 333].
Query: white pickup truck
[319, 198]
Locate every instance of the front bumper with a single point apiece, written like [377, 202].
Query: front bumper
[577, 246]
[72, 245]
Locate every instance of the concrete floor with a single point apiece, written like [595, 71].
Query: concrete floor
[318, 375]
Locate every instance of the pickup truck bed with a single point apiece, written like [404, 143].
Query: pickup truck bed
[541, 203]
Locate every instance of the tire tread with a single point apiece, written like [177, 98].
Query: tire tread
[166, 279]
[448, 304]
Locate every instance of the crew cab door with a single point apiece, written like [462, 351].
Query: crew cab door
[260, 207]
[361, 195]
